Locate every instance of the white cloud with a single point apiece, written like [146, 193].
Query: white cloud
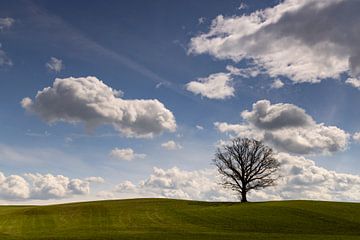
[356, 136]
[242, 6]
[95, 180]
[287, 128]
[50, 186]
[277, 83]
[13, 187]
[220, 85]
[215, 86]
[126, 154]
[201, 20]
[6, 23]
[304, 180]
[354, 82]
[89, 100]
[171, 145]
[125, 186]
[306, 41]
[55, 65]
[4, 59]
[199, 127]
[38, 186]
[247, 72]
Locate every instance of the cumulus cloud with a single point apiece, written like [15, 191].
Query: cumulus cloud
[13, 187]
[220, 85]
[126, 154]
[215, 86]
[287, 128]
[50, 186]
[171, 145]
[6, 23]
[304, 180]
[42, 186]
[277, 83]
[55, 65]
[306, 41]
[301, 179]
[89, 100]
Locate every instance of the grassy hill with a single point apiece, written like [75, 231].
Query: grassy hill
[177, 219]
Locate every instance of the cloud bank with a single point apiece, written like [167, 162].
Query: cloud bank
[42, 186]
[90, 101]
[301, 179]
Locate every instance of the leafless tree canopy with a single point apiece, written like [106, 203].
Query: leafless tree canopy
[246, 164]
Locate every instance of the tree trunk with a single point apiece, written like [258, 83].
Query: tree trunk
[243, 196]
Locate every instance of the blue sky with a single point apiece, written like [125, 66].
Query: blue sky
[149, 50]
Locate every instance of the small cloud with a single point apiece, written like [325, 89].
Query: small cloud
[277, 84]
[160, 84]
[215, 86]
[126, 154]
[199, 127]
[4, 59]
[171, 145]
[55, 65]
[201, 20]
[35, 134]
[354, 82]
[6, 23]
[356, 137]
[242, 6]
[68, 140]
[95, 179]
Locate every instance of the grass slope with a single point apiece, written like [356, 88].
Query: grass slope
[177, 219]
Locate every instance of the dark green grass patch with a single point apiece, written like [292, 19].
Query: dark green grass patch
[177, 219]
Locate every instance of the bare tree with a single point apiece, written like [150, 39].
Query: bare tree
[246, 164]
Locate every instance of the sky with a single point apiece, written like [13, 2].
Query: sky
[124, 99]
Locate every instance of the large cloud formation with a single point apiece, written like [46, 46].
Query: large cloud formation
[89, 100]
[42, 186]
[301, 179]
[287, 128]
[304, 40]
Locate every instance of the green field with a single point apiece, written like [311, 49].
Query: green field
[177, 219]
